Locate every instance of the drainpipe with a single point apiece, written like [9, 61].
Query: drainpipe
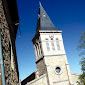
[2, 64]
[19, 81]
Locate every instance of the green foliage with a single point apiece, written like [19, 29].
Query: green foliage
[82, 80]
[81, 47]
[81, 44]
[82, 76]
[82, 62]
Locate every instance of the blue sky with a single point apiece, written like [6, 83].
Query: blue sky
[67, 15]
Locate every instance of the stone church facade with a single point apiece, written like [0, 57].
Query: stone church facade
[51, 59]
[9, 20]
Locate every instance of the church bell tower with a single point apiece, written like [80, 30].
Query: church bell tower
[49, 51]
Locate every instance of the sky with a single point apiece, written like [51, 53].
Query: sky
[67, 15]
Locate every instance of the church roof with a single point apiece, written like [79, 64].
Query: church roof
[44, 22]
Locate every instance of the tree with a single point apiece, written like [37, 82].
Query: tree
[81, 47]
[81, 43]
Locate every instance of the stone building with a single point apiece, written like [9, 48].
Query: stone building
[51, 59]
[9, 20]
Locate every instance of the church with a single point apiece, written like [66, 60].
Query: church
[51, 60]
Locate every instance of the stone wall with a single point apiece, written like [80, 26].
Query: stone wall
[42, 80]
[55, 78]
[41, 67]
[11, 75]
[75, 78]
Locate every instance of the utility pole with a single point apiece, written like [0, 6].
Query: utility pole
[2, 64]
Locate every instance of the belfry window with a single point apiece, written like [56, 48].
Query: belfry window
[36, 49]
[57, 43]
[40, 49]
[53, 47]
[47, 44]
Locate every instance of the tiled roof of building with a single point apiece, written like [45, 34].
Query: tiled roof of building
[44, 22]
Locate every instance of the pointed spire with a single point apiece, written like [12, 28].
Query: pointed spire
[39, 3]
[44, 22]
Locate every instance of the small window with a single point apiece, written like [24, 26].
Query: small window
[56, 38]
[46, 39]
[51, 38]
[57, 69]
[44, 15]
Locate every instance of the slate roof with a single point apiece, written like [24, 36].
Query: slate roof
[44, 22]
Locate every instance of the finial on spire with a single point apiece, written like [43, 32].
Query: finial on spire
[39, 3]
